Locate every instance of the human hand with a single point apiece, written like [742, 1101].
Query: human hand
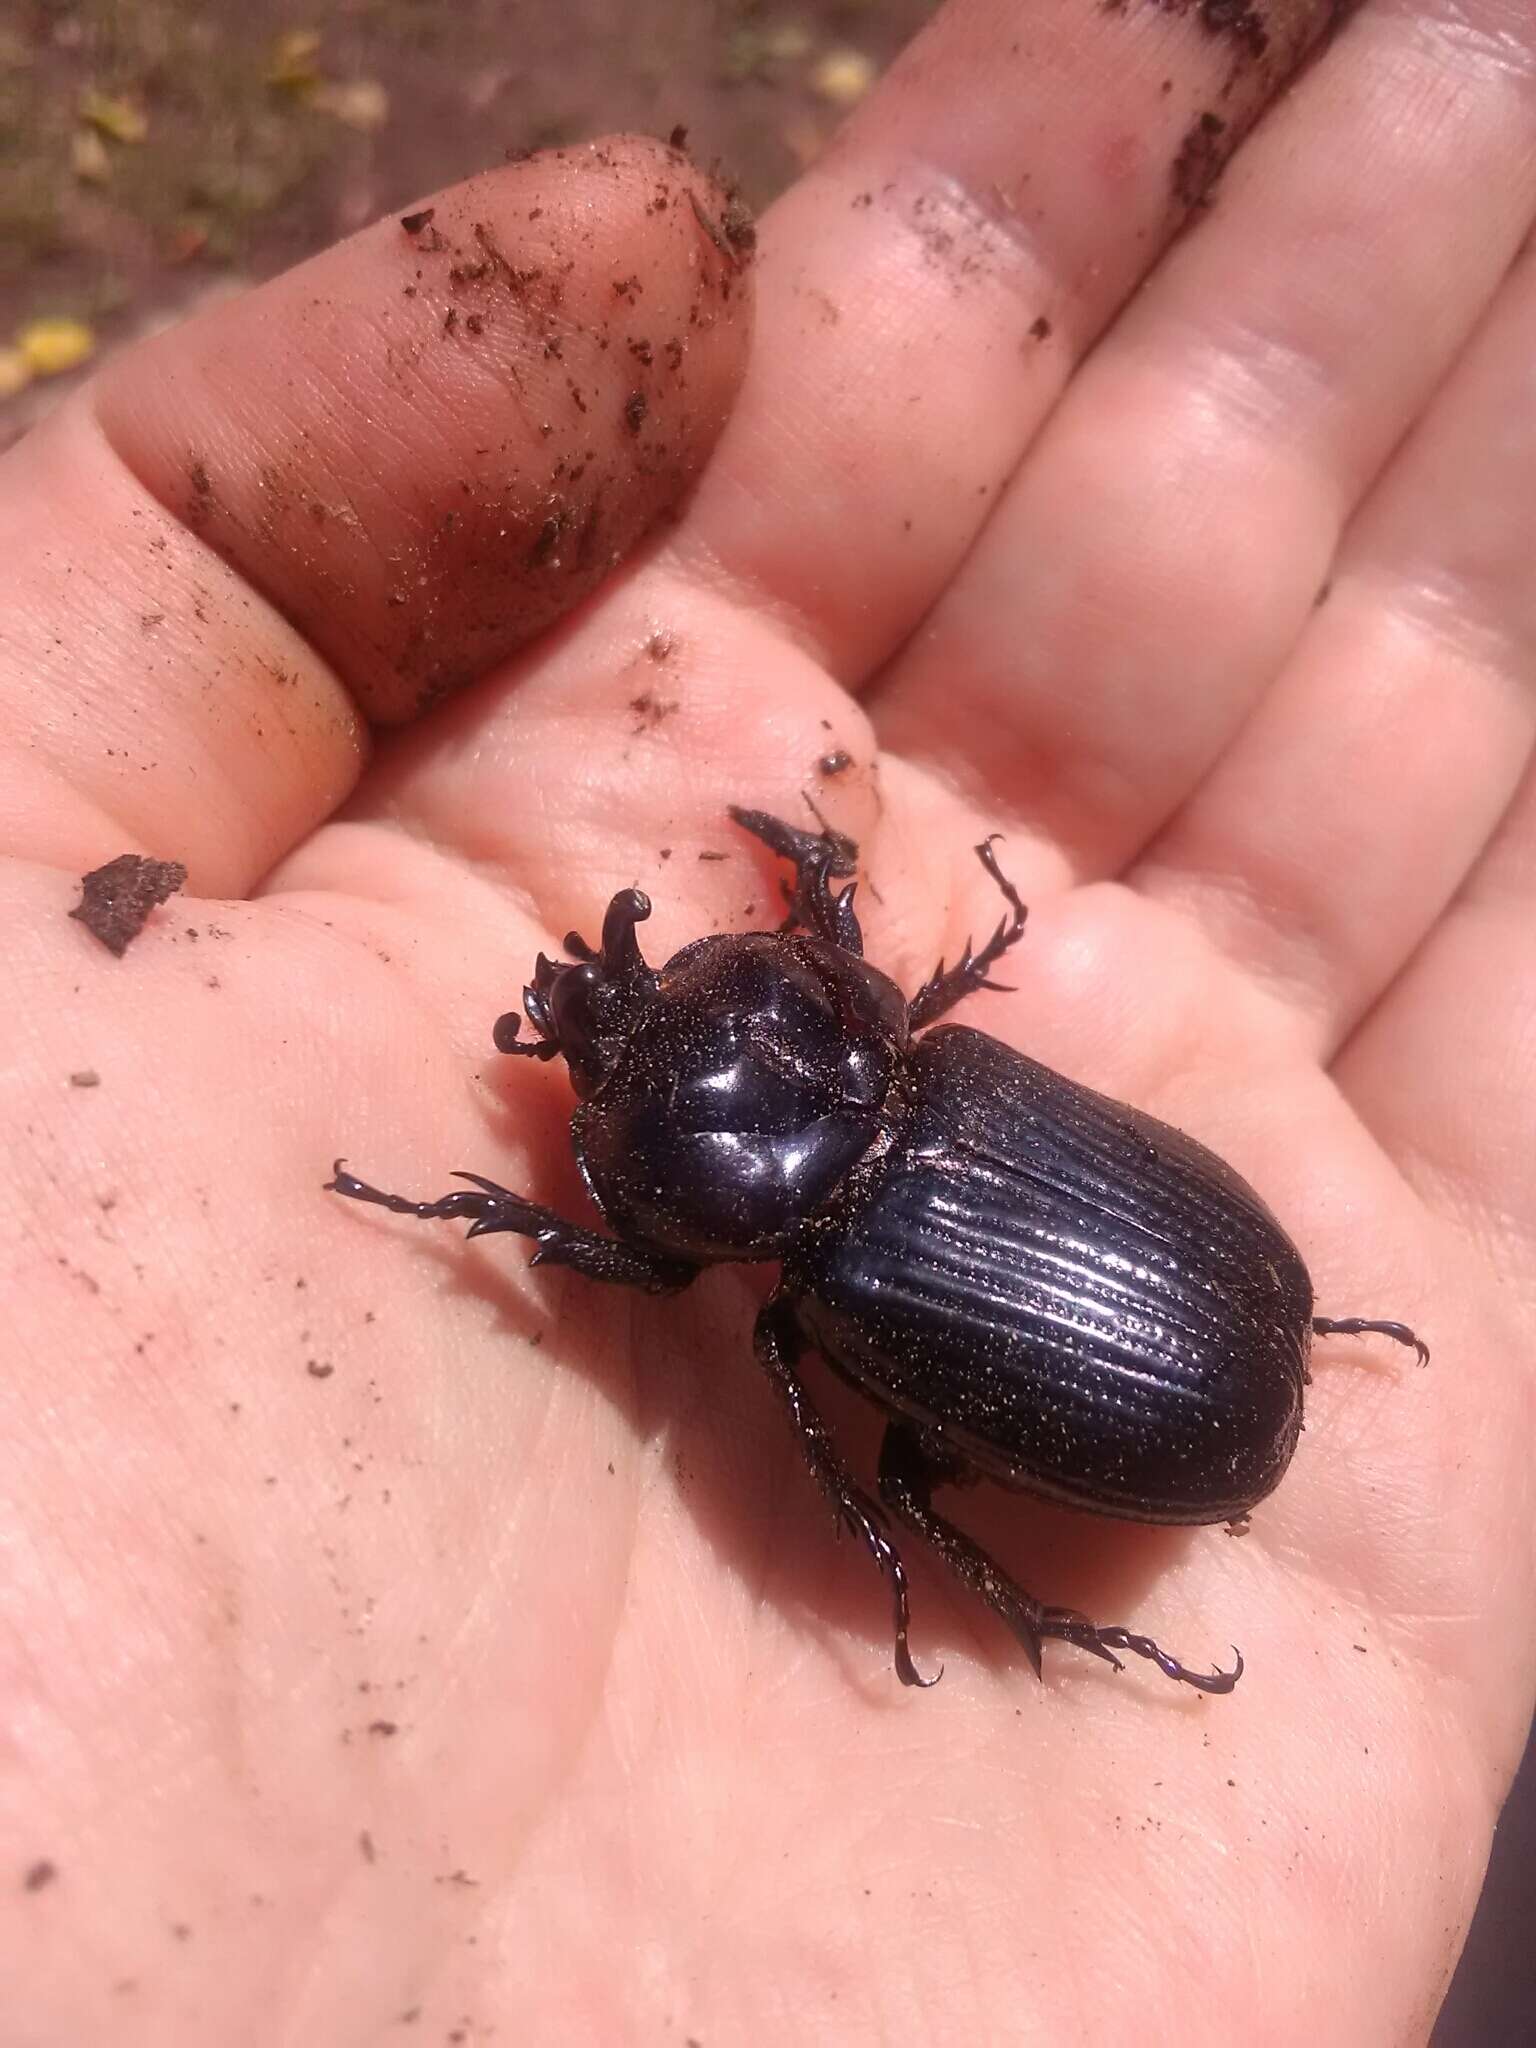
[388, 1630]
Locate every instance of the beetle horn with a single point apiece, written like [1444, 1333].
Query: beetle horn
[621, 953]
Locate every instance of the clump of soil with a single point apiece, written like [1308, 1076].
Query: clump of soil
[116, 900]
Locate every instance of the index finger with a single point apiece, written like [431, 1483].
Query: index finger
[929, 283]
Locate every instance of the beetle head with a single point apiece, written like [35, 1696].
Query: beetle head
[585, 1009]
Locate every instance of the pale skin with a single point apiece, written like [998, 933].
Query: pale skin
[387, 1630]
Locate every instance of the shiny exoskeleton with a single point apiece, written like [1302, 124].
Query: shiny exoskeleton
[1036, 1284]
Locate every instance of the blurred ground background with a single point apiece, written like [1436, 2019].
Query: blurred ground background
[153, 152]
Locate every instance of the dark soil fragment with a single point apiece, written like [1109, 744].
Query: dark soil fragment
[116, 899]
[39, 1874]
[1201, 160]
[651, 711]
[87, 1077]
[413, 223]
[734, 234]
[1240, 21]
[838, 762]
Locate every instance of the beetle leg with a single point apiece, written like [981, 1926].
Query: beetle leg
[559, 1243]
[1067, 1626]
[946, 985]
[908, 1475]
[1360, 1326]
[778, 1343]
[818, 857]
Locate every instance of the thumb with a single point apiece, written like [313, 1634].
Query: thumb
[348, 494]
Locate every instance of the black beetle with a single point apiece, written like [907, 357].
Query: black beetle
[1037, 1284]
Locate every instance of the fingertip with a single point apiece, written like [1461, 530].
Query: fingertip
[427, 443]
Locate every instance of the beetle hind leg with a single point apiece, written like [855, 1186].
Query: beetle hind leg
[1067, 1626]
[908, 1475]
[1363, 1326]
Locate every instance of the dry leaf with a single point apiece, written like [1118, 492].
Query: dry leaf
[116, 118]
[50, 347]
[804, 138]
[15, 372]
[295, 65]
[361, 103]
[88, 157]
[787, 43]
[843, 77]
[188, 239]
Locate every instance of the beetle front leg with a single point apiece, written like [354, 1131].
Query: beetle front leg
[778, 1343]
[560, 1243]
[908, 1475]
[817, 858]
[946, 985]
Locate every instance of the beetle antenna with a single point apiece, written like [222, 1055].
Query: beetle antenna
[504, 1036]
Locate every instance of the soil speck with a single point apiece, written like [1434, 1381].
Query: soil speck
[651, 711]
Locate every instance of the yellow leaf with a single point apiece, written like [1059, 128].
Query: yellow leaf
[15, 372]
[788, 43]
[88, 157]
[116, 118]
[50, 347]
[295, 65]
[843, 77]
[805, 140]
[361, 103]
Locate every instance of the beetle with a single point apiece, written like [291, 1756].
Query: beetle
[1036, 1284]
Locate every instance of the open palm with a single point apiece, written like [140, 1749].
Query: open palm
[390, 1633]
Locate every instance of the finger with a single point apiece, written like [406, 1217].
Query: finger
[1441, 1068]
[894, 380]
[148, 699]
[935, 274]
[424, 457]
[1350, 808]
[364, 482]
[1163, 546]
